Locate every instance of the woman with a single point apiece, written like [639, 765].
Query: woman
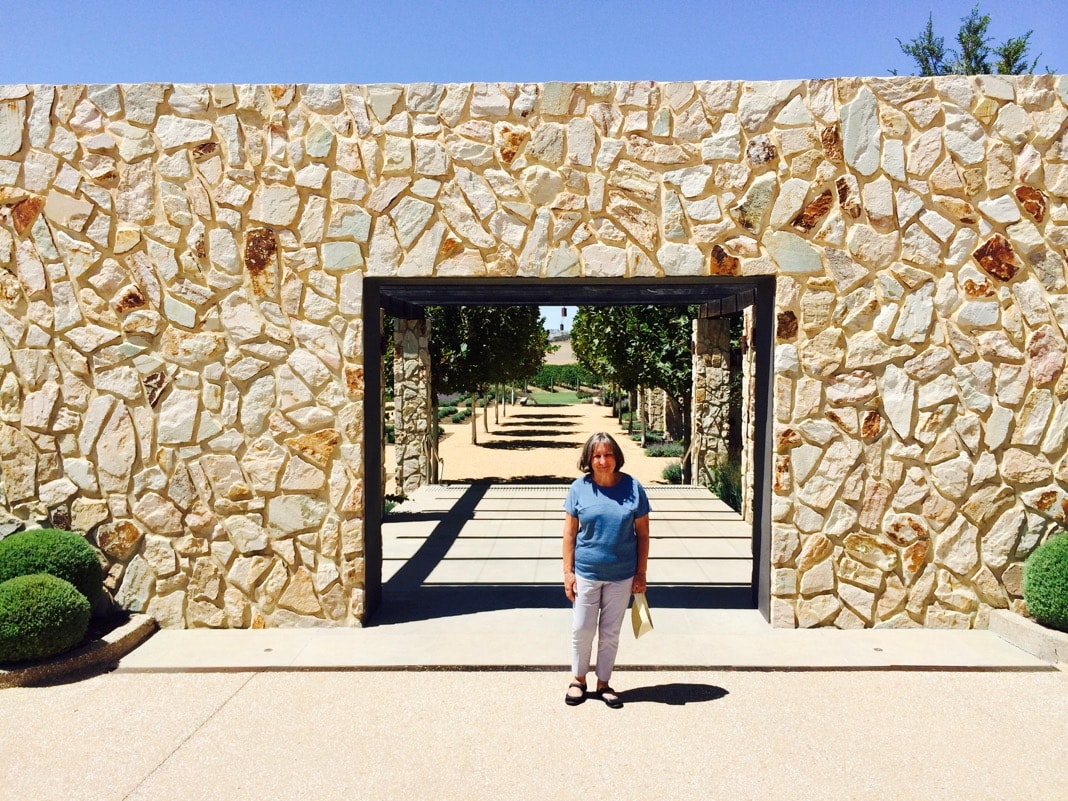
[606, 550]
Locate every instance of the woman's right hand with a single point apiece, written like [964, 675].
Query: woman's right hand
[569, 586]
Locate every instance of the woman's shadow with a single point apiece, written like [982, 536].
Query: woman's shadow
[675, 694]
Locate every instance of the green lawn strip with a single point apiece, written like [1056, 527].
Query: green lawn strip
[568, 398]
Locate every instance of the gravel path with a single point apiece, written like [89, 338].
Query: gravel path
[534, 444]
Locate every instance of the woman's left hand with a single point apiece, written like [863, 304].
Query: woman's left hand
[639, 583]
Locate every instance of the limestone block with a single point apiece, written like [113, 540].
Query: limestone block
[861, 139]
[137, 586]
[817, 611]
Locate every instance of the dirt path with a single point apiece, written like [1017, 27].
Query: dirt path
[534, 444]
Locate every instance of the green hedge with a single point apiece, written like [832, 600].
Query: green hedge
[665, 449]
[60, 553]
[672, 474]
[40, 616]
[1045, 585]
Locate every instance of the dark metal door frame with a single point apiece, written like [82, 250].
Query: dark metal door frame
[409, 297]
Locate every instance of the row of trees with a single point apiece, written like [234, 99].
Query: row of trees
[641, 346]
[476, 348]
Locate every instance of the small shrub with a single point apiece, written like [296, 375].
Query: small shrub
[446, 411]
[1045, 585]
[461, 415]
[725, 482]
[665, 449]
[40, 616]
[390, 434]
[672, 474]
[60, 553]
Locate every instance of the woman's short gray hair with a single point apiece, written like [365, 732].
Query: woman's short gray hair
[600, 438]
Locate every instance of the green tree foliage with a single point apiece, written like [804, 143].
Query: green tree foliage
[633, 346]
[978, 53]
[473, 348]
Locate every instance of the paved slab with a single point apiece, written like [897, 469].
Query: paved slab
[538, 639]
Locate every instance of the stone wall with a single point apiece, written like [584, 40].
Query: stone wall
[181, 273]
[413, 422]
[711, 395]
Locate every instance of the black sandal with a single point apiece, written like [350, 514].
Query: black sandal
[610, 697]
[575, 700]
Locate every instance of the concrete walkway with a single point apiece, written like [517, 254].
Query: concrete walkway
[476, 735]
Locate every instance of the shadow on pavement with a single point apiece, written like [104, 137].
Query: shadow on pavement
[527, 445]
[531, 432]
[545, 421]
[675, 694]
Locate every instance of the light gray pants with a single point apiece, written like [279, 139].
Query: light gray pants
[599, 606]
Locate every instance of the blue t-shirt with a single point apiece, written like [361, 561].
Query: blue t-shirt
[606, 548]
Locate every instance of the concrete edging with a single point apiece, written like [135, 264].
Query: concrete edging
[1047, 644]
[106, 651]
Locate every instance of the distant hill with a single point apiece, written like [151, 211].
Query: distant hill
[563, 356]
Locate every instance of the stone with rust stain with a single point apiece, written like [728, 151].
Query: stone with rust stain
[983, 289]
[261, 245]
[788, 438]
[131, 299]
[1033, 201]
[761, 150]
[848, 197]
[154, 384]
[998, 259]
[450, 246]
[119, 539]
[317, 448]
[782, 480]
[204, 150]
[831, 139]
[24, 214]
[915, 556]
[813, 212]
[723, 263]
[786, 327]
[872, 426]
[509, 143]
[354, 381]
[905, 529]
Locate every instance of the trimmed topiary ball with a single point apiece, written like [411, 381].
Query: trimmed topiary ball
[1045, 585]
[60, 553]
[40, 616]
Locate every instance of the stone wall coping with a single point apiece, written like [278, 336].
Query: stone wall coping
[1028, 635]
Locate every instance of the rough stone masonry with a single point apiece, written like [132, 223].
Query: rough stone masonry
[180, 312]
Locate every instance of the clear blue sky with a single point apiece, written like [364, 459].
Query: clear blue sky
[330, 41]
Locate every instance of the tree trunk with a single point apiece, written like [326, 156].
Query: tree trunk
[687, 434]
[644, 416]
[433, 463]
[632, 400]
[485, 413]
[474, 419]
